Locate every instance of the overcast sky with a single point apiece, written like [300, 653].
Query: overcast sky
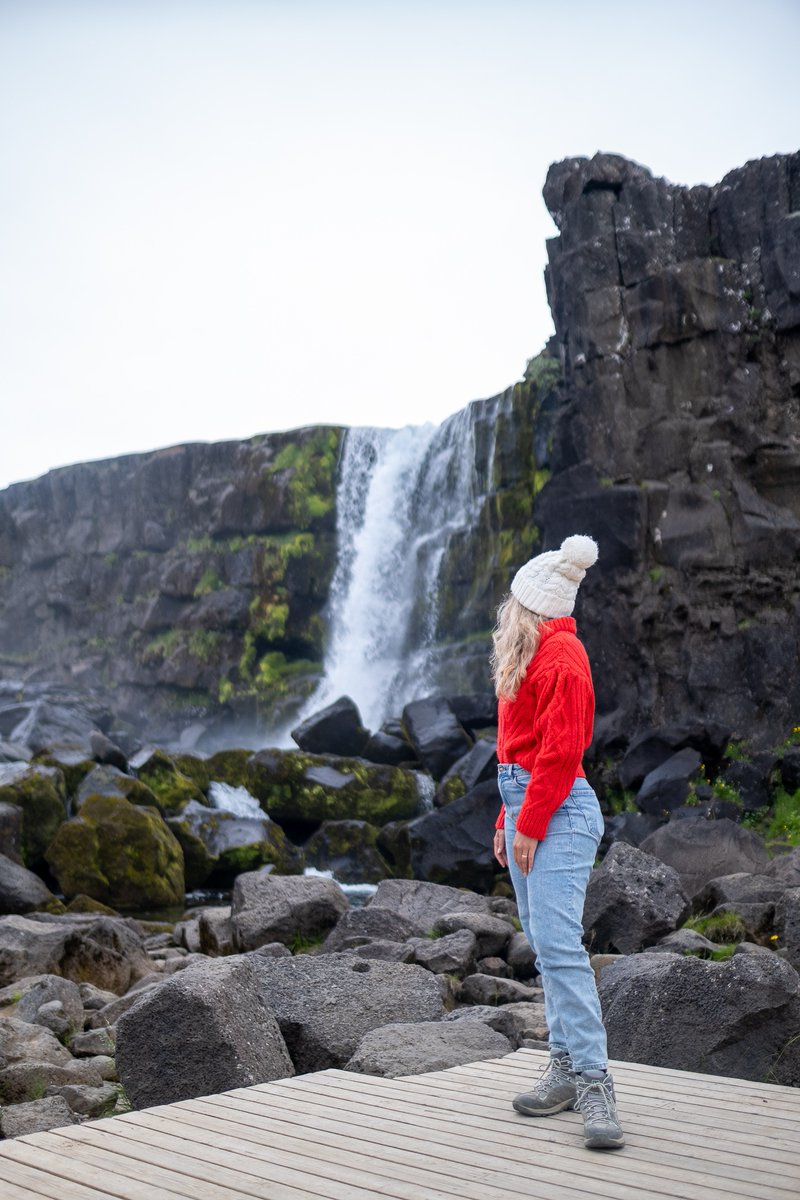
[224, 217]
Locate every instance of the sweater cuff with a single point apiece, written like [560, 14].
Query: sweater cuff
[501, 820]
[533, 824]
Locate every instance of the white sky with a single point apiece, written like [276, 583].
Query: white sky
[223, 217]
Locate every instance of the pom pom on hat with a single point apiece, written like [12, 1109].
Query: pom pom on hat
[580, 550]
[548, 584]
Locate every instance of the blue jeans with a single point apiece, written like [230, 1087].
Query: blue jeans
[550, 902]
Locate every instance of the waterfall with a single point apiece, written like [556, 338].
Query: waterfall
[402, 496]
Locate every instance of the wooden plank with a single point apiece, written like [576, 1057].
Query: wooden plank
[208, 1154]
[369, 1171]
[498, 1109]
[35, 1185]
[189, 1177]
[472, 1131]
[441, 1133]
[400, 1152]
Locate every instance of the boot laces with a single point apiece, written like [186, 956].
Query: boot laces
[596, 1099]
[558, 1071]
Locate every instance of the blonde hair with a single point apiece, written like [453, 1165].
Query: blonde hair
[515, 639]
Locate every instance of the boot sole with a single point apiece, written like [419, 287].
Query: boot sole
[604, 1143]
[520, 1107]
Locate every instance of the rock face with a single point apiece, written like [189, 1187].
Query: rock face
[187, 577]
[677, 315]
[632, 900]
[738, 1017]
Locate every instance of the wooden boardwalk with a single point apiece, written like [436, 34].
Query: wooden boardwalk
[448, 1134]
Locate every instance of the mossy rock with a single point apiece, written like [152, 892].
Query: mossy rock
[350, 850]
[194, 768]
[218, 845]
[171, 787]
[42, 795]
[119, 853]
[292, 786]
[110, 781]
[394, 844]
[85, 904]
[72, 761]
[229, 766]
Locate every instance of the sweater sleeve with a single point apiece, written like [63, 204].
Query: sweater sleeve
[566, 714]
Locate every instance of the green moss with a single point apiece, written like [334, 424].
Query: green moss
[119, 854]
[619, 800]
[41, 794]
[452, 790]
[209, 582]
[311, 468]
[204, 644]
[163, 645]
[303, 944]
[286, 785]
[172, 789]
[268, 620]
[722, 928]
[541, 476]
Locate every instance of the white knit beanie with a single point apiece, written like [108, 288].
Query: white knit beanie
[548, 584]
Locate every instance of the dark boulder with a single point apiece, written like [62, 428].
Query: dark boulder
[348, 849]
[648, 750]
[477, 766]
[211, 1044]
[787, 922]
[751, 781]
[453, 845]
[632, 900]
[388, 749]
[790, 769]
[336, 729]
[107, 752]
[704, 850]
[738, 1017]
[436, 734]
[630, 827]
[358, 926]
[475, 711]
[667, 786]
[21, 891]
[269, 908]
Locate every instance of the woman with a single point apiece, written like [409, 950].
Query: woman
[550, 824]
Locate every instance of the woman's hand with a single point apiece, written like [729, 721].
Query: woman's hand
[524, 850]
[500, 847]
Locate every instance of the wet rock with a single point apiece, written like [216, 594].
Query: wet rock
[475, 710]
[326, 1003]
[267, 908]
[389, 749]
[477, 766]
[453, 845]
[118, 853]
[436, 734]
[109, 780]
[703, 850]
[219, 845]
[172, 789]
[35, 1116]
[22, 891]
[349, 849]
[211, 1044]
[337, 729]
[294, 786]
[632, 900]
[425, 1046]
[40, 793]
[729, 1018]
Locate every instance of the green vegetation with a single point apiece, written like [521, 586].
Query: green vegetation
[301, 944]
[784, 823]
[209, 582]
[721, 928]
[543, 371]
[311, 484]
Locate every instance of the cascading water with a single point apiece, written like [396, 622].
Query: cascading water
[403, 494]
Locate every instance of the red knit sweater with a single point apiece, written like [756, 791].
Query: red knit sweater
[548, 725]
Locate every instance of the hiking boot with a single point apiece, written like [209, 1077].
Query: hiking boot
[598, 1104]
[555, 1091]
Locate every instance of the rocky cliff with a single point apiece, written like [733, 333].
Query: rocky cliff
[177, 581]
[677, 444]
